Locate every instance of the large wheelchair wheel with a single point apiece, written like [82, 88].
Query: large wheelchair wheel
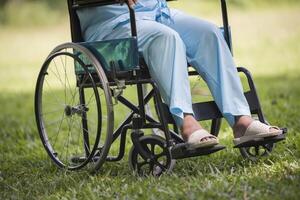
[73, 108]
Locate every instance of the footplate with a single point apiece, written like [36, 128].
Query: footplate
[181, 151]
[263, 141]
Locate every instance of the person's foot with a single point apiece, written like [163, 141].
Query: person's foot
[190, 126]
[241, 125]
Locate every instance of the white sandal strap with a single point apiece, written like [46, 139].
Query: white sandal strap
[199, 135]
[257, 127]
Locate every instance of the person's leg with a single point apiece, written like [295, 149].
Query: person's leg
[208, 52]
[165, 54]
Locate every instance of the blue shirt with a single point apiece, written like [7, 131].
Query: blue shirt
[97, 22]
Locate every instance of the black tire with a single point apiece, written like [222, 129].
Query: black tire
[161, 163]
[74, 116]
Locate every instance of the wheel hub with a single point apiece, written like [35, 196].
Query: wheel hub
[72, 110]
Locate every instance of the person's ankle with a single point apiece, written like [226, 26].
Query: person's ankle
[189, 126]
[241, 125]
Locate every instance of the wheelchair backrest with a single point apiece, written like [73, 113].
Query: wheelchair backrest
[76, 34]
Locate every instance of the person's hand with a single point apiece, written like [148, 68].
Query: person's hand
[130, 2]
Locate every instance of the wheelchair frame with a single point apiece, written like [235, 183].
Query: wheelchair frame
[138, 119]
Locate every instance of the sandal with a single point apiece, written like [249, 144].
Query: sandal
[195, 140]
[257, 130]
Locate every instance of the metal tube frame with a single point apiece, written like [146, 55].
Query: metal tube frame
[226, 27]
[152, 123]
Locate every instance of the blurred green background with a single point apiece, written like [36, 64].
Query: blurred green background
[266, 40]
[31, 28]
[41, 12]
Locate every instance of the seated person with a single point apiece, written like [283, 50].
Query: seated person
[170, 39]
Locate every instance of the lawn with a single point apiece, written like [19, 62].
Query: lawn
[266, 41]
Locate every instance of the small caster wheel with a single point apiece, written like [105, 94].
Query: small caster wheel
[263, 147]
[161, 161]
[256, 152]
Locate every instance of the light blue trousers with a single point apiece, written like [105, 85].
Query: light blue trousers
[167, 48]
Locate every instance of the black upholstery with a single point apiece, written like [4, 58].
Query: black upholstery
[74, 23]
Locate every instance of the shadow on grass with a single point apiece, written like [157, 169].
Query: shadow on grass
[26, 171]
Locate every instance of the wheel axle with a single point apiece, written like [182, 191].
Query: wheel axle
[72, 110]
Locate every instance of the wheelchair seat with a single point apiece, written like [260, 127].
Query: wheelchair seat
[119, 58]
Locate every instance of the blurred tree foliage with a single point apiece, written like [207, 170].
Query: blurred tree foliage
[244, 3]
[50, 3]
[3, 2]
[31, 12]
[37, 12]
[60, 3]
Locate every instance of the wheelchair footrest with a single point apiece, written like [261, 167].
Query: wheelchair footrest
[181, 151]
[262, 141]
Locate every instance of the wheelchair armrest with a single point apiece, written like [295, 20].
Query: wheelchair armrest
[80, 3]
[86, 3]
[77, 4]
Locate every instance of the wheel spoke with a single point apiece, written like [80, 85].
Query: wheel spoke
[248, 150]
[159, 155]
[53, 123]
[164, 168]
[79, 136]
[57, 75]
[53, 94]
[152, 149]
[73, 99]
[90, 100]
[94, 99]
[151, 167]
[257, 150]
[51, 112]
[84, 142]
[268, 147]
[140, 165]
[59, 127]
[65, 82]
[85, 78]
[64, 149]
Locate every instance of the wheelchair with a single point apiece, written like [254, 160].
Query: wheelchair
[77, 90]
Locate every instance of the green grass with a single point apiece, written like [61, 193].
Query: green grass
[266, 41]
